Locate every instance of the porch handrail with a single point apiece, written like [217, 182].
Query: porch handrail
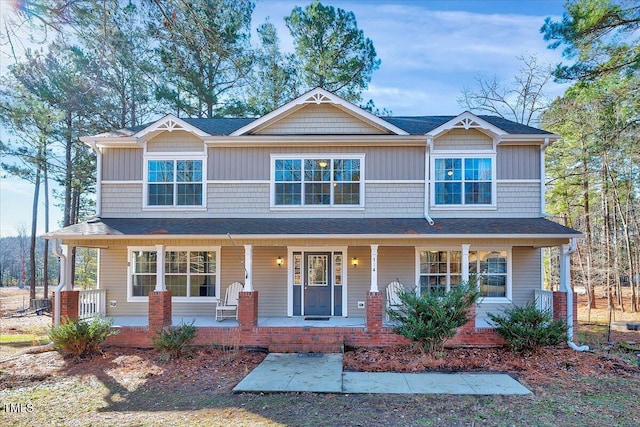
[544, 300]
[92, 303]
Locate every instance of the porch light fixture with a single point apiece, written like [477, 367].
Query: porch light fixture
[354, 262]
[279, 261]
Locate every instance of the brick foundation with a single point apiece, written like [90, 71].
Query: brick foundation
[159, 310]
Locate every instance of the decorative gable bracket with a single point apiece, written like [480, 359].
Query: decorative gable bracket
[170, 123]
[318, 98]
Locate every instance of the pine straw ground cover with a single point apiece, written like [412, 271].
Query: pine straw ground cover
[126, 387]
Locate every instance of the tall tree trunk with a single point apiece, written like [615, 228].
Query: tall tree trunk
[46, 226]
[587, 232]
[34, 230]
[68, 188]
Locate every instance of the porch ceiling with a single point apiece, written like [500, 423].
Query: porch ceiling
[118, 228]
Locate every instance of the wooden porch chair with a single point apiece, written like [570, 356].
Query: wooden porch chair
[228, 308]
[393, 297]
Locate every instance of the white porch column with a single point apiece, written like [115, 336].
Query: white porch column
[565, 267]
[374, 268]
[160, 284]
[65, 283]
[248, 268]
[465, 262]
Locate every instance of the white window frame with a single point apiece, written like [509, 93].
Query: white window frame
[190, 299]
[507, 299]
[174, 158]
[462, 156]
[315, 156]
[448, 273]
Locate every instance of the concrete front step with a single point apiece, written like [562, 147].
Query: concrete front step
[303, 343]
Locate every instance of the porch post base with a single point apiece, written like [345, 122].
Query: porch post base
[560, 306]
[69, 306]
[375, 311]
[159, 310]
[248, 310]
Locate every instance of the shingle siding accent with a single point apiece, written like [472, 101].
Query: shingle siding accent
[515, 200]
[461, 139]
[177, 141]
[518, 162]
[122, 200]
[122, 164]
[252, 163]
[319, 119]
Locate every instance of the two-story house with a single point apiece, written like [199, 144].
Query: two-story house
[315, 208]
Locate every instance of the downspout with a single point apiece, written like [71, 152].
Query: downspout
[98, 152]
[427, 178]
[62, 284]
[543, 173]
[567, 285]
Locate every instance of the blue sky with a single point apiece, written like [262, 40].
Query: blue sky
[430, 50]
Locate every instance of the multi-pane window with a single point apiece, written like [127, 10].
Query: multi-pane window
[317, 182]
[190, 273]
[463, 181]
[143, 272]
[174, 183]
[187, 273]
[440, 271]
[491, 268]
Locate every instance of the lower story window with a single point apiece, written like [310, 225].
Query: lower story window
[188, 273]
[441, 270]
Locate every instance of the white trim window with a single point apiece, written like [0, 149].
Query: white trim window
[439, 270]
[191, 274]
[174, 183]
[492, 270]
[142, 272]
[463, 181]
[316, 181]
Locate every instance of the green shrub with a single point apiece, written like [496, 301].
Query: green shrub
[174, 342]
[526, 329]
[430, 319]
[81, 337]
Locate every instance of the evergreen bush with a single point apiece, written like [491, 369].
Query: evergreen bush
[174, 342]
[526, 329]
[430, 319]
[81, 337]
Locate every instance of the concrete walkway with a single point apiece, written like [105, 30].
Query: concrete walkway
[322, 373]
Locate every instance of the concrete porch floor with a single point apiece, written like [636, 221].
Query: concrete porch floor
[272, 322]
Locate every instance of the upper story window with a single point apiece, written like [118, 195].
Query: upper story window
[463, 181]
[174, 182]
[317, 181]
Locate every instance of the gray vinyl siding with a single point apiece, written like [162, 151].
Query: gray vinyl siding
[518, 162]
[176, 141]
[358, 279]
[389, 200]
[253, 163]
[461, 139]
[270, 281]
[319, 119]
[113, 278]
[525, 278]
[122, 164]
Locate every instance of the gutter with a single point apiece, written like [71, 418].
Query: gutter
[572, 248]
[62, 284]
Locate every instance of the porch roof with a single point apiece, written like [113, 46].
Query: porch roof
[120, 228]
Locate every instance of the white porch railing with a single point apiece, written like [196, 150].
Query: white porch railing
[544, 300]
[92, 303]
